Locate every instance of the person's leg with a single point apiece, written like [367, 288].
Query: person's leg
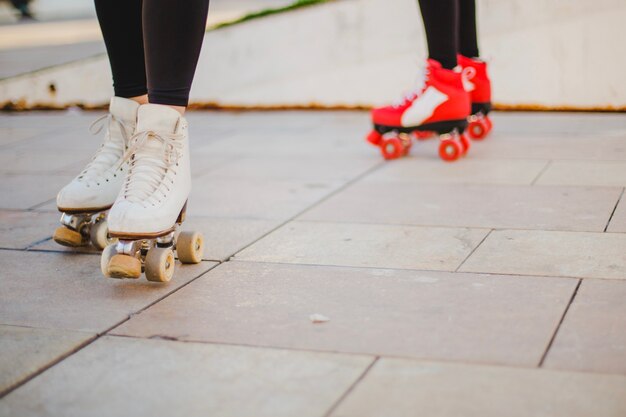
[120, 22]
[441, 21]
[173, 31]
[154, 197]
[468, 38]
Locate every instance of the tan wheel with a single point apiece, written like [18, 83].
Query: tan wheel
[99, 235]
[190, 247]
[124, 266]
[160, 264]
[68, 237]
[105, 258]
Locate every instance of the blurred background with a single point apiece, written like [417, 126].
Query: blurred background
[66, 30]
[556, 55]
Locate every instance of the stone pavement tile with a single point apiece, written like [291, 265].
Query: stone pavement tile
[589, 173]
[405, 388]
[224, 237]
[72, 134]
[26, 351]
[54, 290]
[9, 135]
[490, 206]
[123, 376]
[23, 191]
[366, 245]
[46, 162]
[467, 317]
[255, 198]
[571, 124]
[525, 252]
[296, 143]
[467, 171]
[593, 335]
[543, 146]
[268, 167]
[203, 162]
[41, 120]
[618, 221]
[20, 229]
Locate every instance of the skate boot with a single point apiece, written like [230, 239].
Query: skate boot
[152, 201]
[86, 199]
[439, 105]
[478, 85]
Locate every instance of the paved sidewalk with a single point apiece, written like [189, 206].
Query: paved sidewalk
[493, 286]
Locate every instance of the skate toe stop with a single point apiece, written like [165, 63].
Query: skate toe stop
[124, 266]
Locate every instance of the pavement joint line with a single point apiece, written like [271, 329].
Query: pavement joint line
[614, 210]
[98, 335]
[541, 172]
[47, 366]
[38, 205]
[473, 250]
[529, 367]
[234, 259]
[38, 242]
[446, 226]
[339, 189]
[520, 276]
[558, 327]
[351, 387]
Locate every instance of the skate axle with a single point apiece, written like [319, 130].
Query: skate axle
[75, 222]
[79, 229]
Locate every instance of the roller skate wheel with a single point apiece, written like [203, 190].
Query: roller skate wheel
[190, 247]
[374, 138]
[466, 143]
[68, 237]
[407, 148]
[478, 129]
[99, 235]
[123, 266]
[105, 258]
[450, 150]
[392, 148]
[160, 263]
[489, 124]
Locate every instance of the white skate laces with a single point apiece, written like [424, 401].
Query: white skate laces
[110, 153]
[153, 160]
[420, 85]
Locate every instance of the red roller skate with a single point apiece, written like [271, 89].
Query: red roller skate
[479, 87]
[441, 105]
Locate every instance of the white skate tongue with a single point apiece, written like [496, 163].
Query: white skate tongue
[156, 148]
[157, 118]
[124, 110]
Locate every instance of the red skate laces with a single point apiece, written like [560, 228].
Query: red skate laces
[420, 86]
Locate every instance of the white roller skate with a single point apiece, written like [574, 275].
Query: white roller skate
[152, 201]
[86, 199]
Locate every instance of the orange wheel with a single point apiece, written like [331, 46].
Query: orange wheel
[478, 129]
[489, 124]
[450, 150]
[374, 138]
[392, 148]
[407, 148]
[465, 143]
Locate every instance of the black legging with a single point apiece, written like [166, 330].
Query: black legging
[153, 46]
[450, 29]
